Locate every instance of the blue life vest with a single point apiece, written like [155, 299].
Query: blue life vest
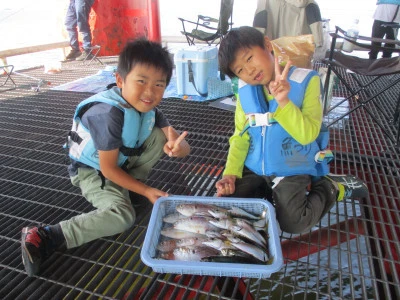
[272, 150]
[136, 129]
[395, 2]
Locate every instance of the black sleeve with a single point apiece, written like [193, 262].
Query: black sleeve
[261, 19]
[313, 14]
[161, 120]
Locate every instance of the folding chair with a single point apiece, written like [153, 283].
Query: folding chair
[372, 78]
[94, 50]
[208, 29]
[7, 71]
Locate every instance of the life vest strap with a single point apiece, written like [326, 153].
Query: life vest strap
[131, 151]
[74, 136]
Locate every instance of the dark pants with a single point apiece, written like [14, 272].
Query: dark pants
[78, 18]
[298, 208]
[379, 31]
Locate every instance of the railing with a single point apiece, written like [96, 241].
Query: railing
[4, 54]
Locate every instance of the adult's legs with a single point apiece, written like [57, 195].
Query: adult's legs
[379, 31]
[389, 34]
[82, 16]
[70, 26]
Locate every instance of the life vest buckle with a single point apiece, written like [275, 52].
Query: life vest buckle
[256, 120]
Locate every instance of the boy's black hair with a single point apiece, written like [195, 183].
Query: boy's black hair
[236, 39]
[143, 51]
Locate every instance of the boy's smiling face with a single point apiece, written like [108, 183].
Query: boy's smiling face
[255, 65]
[143, 87]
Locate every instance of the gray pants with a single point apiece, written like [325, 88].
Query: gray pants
[297, 208]
[114, 212]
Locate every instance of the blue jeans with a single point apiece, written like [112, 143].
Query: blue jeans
[78, 18]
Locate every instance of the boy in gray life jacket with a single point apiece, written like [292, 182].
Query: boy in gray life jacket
[116, 138]
[279, 148]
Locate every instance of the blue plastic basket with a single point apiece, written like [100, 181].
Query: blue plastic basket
[166, 205]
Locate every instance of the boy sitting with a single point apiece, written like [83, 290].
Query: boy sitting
[278, 149]
[117, 136]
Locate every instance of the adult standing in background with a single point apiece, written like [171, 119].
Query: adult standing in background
[77, 18]
[278, 18]
[386, 13]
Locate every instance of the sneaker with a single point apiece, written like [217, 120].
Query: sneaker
[35, 247]
[73, 54]
[86, 55]
[348, 186]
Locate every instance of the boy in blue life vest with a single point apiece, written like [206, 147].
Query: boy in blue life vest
[278, 150]
[116, 138]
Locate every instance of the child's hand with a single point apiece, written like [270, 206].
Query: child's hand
[173, 148]
[153, 194]
[280, 87]
[226, 186]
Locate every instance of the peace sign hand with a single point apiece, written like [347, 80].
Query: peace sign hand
[176, 145]
[280, 87]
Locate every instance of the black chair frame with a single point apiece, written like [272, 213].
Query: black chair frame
[7, 71]
[207, 29]
[389, 67]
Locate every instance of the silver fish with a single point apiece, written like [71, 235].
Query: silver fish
[215, 234]
[234, 252]
[240, 227]
[173, 233]
[189, 209]
[238, 212]
[219, 213]
[254, 233]
[218, 244]
[259, 223]
[196, 224]
[247, 234]
[190, 254]
[235, 237]
[167, 245]
[172, 218]
[255, 251]
[234, 212]
[192, 242]
[222, 223]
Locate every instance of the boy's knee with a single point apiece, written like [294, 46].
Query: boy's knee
[126, 216]
[293, 228]
[293, 223]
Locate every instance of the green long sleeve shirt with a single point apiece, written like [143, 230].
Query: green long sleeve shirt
[303, 124]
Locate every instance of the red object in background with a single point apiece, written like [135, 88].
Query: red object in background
[114, 22]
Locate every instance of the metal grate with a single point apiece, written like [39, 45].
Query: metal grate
[352, 253]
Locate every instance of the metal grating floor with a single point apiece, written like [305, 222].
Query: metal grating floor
[353, 253]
